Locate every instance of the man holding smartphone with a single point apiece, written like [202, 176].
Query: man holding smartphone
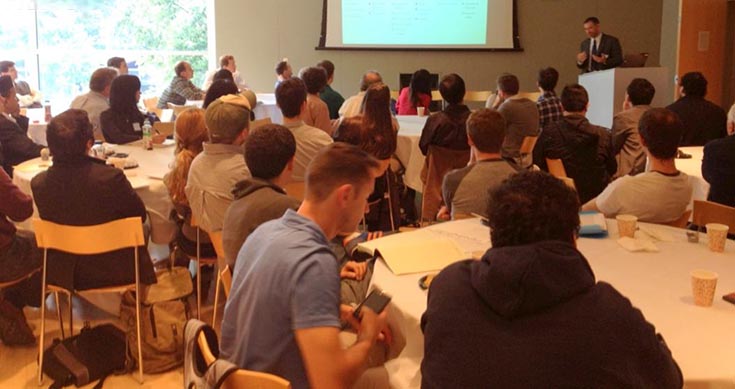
[283, 313]
[600, 51]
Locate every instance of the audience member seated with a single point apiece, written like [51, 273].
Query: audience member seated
[215, 171]
[80, 190]
[17, 147]
[447, 128]
[283, 72]
[190, 133]
[548, 104]
[627, 147]
[283, 314]
[731, 120]
[317, 112]
[19, 257]
[218, 89]
[226, 62]
[465, 190]
[333, 99]
[532, 306]
[269, 154]
[657, 196]
[123, 122]
[353, 105]
[181, 88]
[96, 100]
[718, 168]
[585, 149]
[27, 96]
[118, 63]
[521, 118]
[703, 120]
[416, 94]
[291, 99]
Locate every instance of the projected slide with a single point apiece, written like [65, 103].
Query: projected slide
[414, 22]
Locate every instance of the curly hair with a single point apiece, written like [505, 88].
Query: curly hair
[191, 132]
[531, 207]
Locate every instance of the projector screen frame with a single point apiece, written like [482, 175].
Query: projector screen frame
[323, 38]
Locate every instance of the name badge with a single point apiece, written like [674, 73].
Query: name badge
[136, 127]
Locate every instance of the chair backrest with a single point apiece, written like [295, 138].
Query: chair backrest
[150, 103]
[709, 212]
[259, 123]
[296, 189]
[394, 94]
[556, 167]
[436, 96]
[533, 96]
[528, 144]
[216, 239]
[635, 60]
[682, 221]
[177, 108]
[477, 96]
[88, 240]
[164, 128]
[226, 277]
[439, 161]
[256, 380]
[209, 357]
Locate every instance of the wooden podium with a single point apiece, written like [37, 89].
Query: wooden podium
[606, 90]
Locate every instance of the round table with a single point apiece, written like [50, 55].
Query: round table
[408, 151]
[656, 283]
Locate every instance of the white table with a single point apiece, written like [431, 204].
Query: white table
[146, 179]
[658, 284]
[408, 151]
[267, 108]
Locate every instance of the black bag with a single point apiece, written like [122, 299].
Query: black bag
[92, 355]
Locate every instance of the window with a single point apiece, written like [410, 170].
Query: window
[57, 44]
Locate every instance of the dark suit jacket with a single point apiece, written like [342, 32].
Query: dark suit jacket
[703, 121]
[609, 45]
[83, 191]
[718, 168]
[17, 146]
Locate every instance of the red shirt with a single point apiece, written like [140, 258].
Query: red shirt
[15, 205]
[404, 105]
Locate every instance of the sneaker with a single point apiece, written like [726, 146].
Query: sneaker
[14, 329]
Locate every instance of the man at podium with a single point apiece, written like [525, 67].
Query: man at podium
[600, 51]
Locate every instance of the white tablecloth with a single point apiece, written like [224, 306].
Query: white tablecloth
[267, 108]
[146, 179]
[408, 151]
[658, 284]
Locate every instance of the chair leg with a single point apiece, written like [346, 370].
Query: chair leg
[216, 299]
[71, 315]
[137, 318]
[43, 320]
[58, 314]
[199, 290]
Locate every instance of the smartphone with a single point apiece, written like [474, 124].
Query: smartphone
[730, 298]
[376, 300]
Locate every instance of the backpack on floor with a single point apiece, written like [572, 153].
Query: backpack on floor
[91, 355]
[164, 311]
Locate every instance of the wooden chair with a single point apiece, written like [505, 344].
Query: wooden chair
[478, 96]
[526, 151]
[164, 128]
[259, 123]
[682, 221]
[178, 108]
[211, 261]
[709, 212]
[438, 163]
[86, 240]
[394, 94]
[226, 276]
[151, 104]
[533, 96]
[216, 238]
[296, 189]
[556, 168]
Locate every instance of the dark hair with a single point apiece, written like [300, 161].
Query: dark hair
[268, 150]
[335, 165]
[225, 60]
[101, 78]
[452, 88]
[694, 84]
[122, 97]
[369, 78]
[509, 84]
[223, 74]
[574, 98]
[115, 62]
[6, 84]
[532, 207]
[315, 79]
[281, 67]
[290, 95]
[661, 130]
[6, 65]
[547, 79]
[486, 128]
[180, 67]
[328, 66]
[68, 134]
[218, 89]
[640, 91]
[420, 84]
[592, 19]
[377, 135]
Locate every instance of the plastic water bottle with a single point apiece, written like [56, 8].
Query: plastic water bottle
[147, 140]
[47, 111]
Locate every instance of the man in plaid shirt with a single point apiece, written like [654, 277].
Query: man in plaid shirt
[549, 105]
[181, 88]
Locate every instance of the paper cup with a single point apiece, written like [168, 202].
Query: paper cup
[421, 111]
[704, 283]
[627, 225]
[717, 236]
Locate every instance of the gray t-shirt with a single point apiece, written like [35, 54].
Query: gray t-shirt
[521, 120]
[286, 278]
[466, 190]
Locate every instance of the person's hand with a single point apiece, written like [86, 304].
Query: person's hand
[730, 128]
[599, 58]
[346, 314]
[353, 270]
[581, 57]
[158, 138]
[372, 326]
[443, 213]
[498, 100]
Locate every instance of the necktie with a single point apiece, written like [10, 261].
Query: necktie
[593, 51]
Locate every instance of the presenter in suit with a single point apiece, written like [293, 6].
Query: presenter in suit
[600, 51]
